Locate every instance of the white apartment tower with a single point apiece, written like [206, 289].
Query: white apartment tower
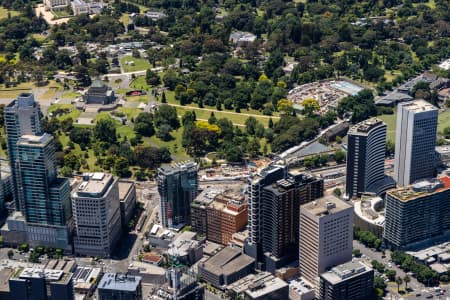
[415, 142]
[96, 211]
[326, 236]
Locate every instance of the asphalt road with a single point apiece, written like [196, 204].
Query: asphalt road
[418, 290]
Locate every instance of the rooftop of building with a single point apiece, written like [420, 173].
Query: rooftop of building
[421, 188]
[227, 261]
[124, 188]
[119, 282]
[243, 36]
[35, 140]
[265, 287]
[94, 184]
[230, 201]
[183, 243]
[370, 209]
[363, 128]
[24, 100]
[419, 105]
[345, 271]
[443, 149]
[244, 283]
[326, 205]
[177, 167]
[301, 286]
[48, 274]
[5, 274]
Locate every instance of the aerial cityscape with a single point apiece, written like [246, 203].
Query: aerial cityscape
[242, 150]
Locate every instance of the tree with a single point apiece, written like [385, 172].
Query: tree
[285, 106]
[143, 124]
[337, 192]
[166, 115]
[390, 148]
[356, 252]
[164, 132]
[10, 254]
[250, 125]
[310, 106]
[152, 78]
[398, 281]
[105, 131]
[121, 167]
[406, 280]
[81, 136]
[339, 156]
[390, 274]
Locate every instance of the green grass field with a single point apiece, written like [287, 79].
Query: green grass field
[4, 13]
[73, 114]
[139, 64]
[140, 83]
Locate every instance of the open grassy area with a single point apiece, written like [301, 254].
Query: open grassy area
[390, 120]
[4, 13]
[70, 95]
[131, 64]
[73, 114]
[174, 145]
[125, 19]
[140, 83]
[14, 91]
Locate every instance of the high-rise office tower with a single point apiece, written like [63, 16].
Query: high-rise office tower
[22, 117]
[365, 157]
[177, 187]
[415, 141]
[44, 196]
[417, 213]
[276, 206]
[96, 211]
[326, 236]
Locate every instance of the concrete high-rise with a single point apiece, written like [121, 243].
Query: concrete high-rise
[96, 210]
[22, 117]
[415, 141]
[278, 199]
[418, 213]
[177, 187]
[365, 157]
[45, 198]
[326, 236]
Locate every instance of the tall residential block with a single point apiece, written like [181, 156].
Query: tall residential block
[275, 204]
[177, 187]
[352, 280]
[326, 236]
[96, 209]
[22, 117]
[365, 157]
[415, 142]
[120, 286]
[418, 213]
[45, 198]
[31, 284]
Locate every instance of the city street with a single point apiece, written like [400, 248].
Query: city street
[417, 289]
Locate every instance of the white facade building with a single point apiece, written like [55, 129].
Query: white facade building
[415, 142]
[96, 210]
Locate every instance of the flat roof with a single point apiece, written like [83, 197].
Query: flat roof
[119, 282]
[345, 271]
[124, 188]
[34, 140]
[328, 204]
[419, 189]
[265, 286]
[363, 128]
[227, 261]
[97, 183]
[419, 105]
[178, 167]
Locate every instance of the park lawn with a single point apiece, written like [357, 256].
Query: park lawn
[431, 4]
[140, 64]
[125, 19]
[50, 93]
[174, 145]
[13, 92]
[390, 75]
[70, 95]
[73, 114]
[444, 120]
[4, 13]
[137, 99]
[139, 83]
[237, 119]
[130, 112]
